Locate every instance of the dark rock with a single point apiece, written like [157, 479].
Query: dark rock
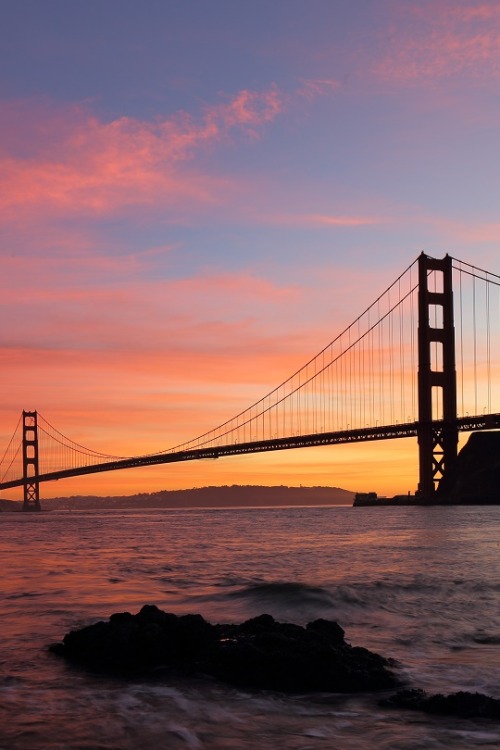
[331, 631]
[462, 704]
[474, 478]
[121, 617]
[260, 653]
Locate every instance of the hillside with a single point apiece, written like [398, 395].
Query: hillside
[209, 497]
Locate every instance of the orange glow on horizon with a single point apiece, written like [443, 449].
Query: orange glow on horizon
[387, 468]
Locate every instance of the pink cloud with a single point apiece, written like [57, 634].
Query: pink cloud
[435, 40]
[488, 231]
[248, 110]
[82, 165]
[65, 162]
[466, 233]
[67, 263]
[313, 88]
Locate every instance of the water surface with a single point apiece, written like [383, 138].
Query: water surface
[421, 585]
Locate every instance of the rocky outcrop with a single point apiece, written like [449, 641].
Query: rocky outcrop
[259, 653]
[462, 704]
[475, 477]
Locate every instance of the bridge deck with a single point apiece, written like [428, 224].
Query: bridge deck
[383, 432]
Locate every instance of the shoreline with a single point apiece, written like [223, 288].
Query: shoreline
[371, 500]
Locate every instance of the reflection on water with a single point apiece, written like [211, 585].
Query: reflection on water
[421, 585]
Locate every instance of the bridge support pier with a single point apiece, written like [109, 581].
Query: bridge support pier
[437, 387]
[30, 462]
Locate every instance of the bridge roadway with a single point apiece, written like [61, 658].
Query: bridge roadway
[384, 432]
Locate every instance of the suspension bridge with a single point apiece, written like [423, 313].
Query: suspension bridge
[421, 361]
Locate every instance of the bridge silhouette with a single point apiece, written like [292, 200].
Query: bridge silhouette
[418, 362]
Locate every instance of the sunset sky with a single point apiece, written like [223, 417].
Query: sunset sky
[198, 195]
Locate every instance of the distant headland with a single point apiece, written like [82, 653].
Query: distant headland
[226, 496]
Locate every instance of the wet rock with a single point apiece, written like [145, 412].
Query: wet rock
[462, 704]
[260, 653]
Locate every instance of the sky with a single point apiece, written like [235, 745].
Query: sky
[198, 195]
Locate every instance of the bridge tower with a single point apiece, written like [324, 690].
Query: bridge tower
[437, 385]
[30, 461]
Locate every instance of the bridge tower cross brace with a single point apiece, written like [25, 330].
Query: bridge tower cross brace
[437, 381]
[30, 461]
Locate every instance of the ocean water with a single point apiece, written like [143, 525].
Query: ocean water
[421, 585]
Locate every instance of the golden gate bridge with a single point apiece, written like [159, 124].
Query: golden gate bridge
[418, 362]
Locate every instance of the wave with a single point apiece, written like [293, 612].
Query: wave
[289, 592]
